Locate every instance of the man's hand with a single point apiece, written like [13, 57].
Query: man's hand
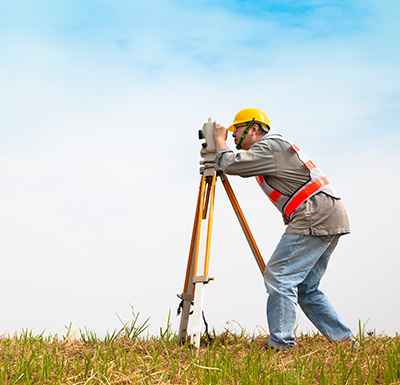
[220, 135]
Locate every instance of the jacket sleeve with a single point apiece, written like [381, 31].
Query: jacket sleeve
[258, 160]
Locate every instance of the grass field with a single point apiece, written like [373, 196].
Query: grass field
[126, 357]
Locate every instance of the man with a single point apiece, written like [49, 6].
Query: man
[315, 219]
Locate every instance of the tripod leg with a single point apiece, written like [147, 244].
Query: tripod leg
[204, 258]
[198, 215]
[243, 224]
[210, 221]
[188, 290]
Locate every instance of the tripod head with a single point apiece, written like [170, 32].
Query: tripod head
[209, 148]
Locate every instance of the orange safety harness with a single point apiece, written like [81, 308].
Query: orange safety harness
[317, 183]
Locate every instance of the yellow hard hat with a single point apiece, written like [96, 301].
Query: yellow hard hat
[247, 115]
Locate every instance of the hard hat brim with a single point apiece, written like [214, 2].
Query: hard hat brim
[233, 126]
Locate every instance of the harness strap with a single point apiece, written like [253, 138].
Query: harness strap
[303, 194]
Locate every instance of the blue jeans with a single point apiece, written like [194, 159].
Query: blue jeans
[292, 276]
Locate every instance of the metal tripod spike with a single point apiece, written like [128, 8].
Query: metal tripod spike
[199, 253]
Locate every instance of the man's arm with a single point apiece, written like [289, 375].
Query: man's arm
[256, 161]
[259, 160]
[220, 135]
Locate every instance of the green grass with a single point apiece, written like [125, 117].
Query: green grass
[125, 357]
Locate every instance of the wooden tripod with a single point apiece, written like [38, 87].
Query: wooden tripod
[199, 254]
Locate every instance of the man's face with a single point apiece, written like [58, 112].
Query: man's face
[247, 142]
[238, 132]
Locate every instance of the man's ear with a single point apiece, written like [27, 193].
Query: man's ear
[254, 128]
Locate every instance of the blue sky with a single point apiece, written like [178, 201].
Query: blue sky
[100, 107]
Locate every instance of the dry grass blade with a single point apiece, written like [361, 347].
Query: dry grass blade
[204, 367]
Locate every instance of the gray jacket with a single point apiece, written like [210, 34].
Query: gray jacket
[319, 215]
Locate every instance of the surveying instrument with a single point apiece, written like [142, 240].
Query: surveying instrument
[199, 254]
